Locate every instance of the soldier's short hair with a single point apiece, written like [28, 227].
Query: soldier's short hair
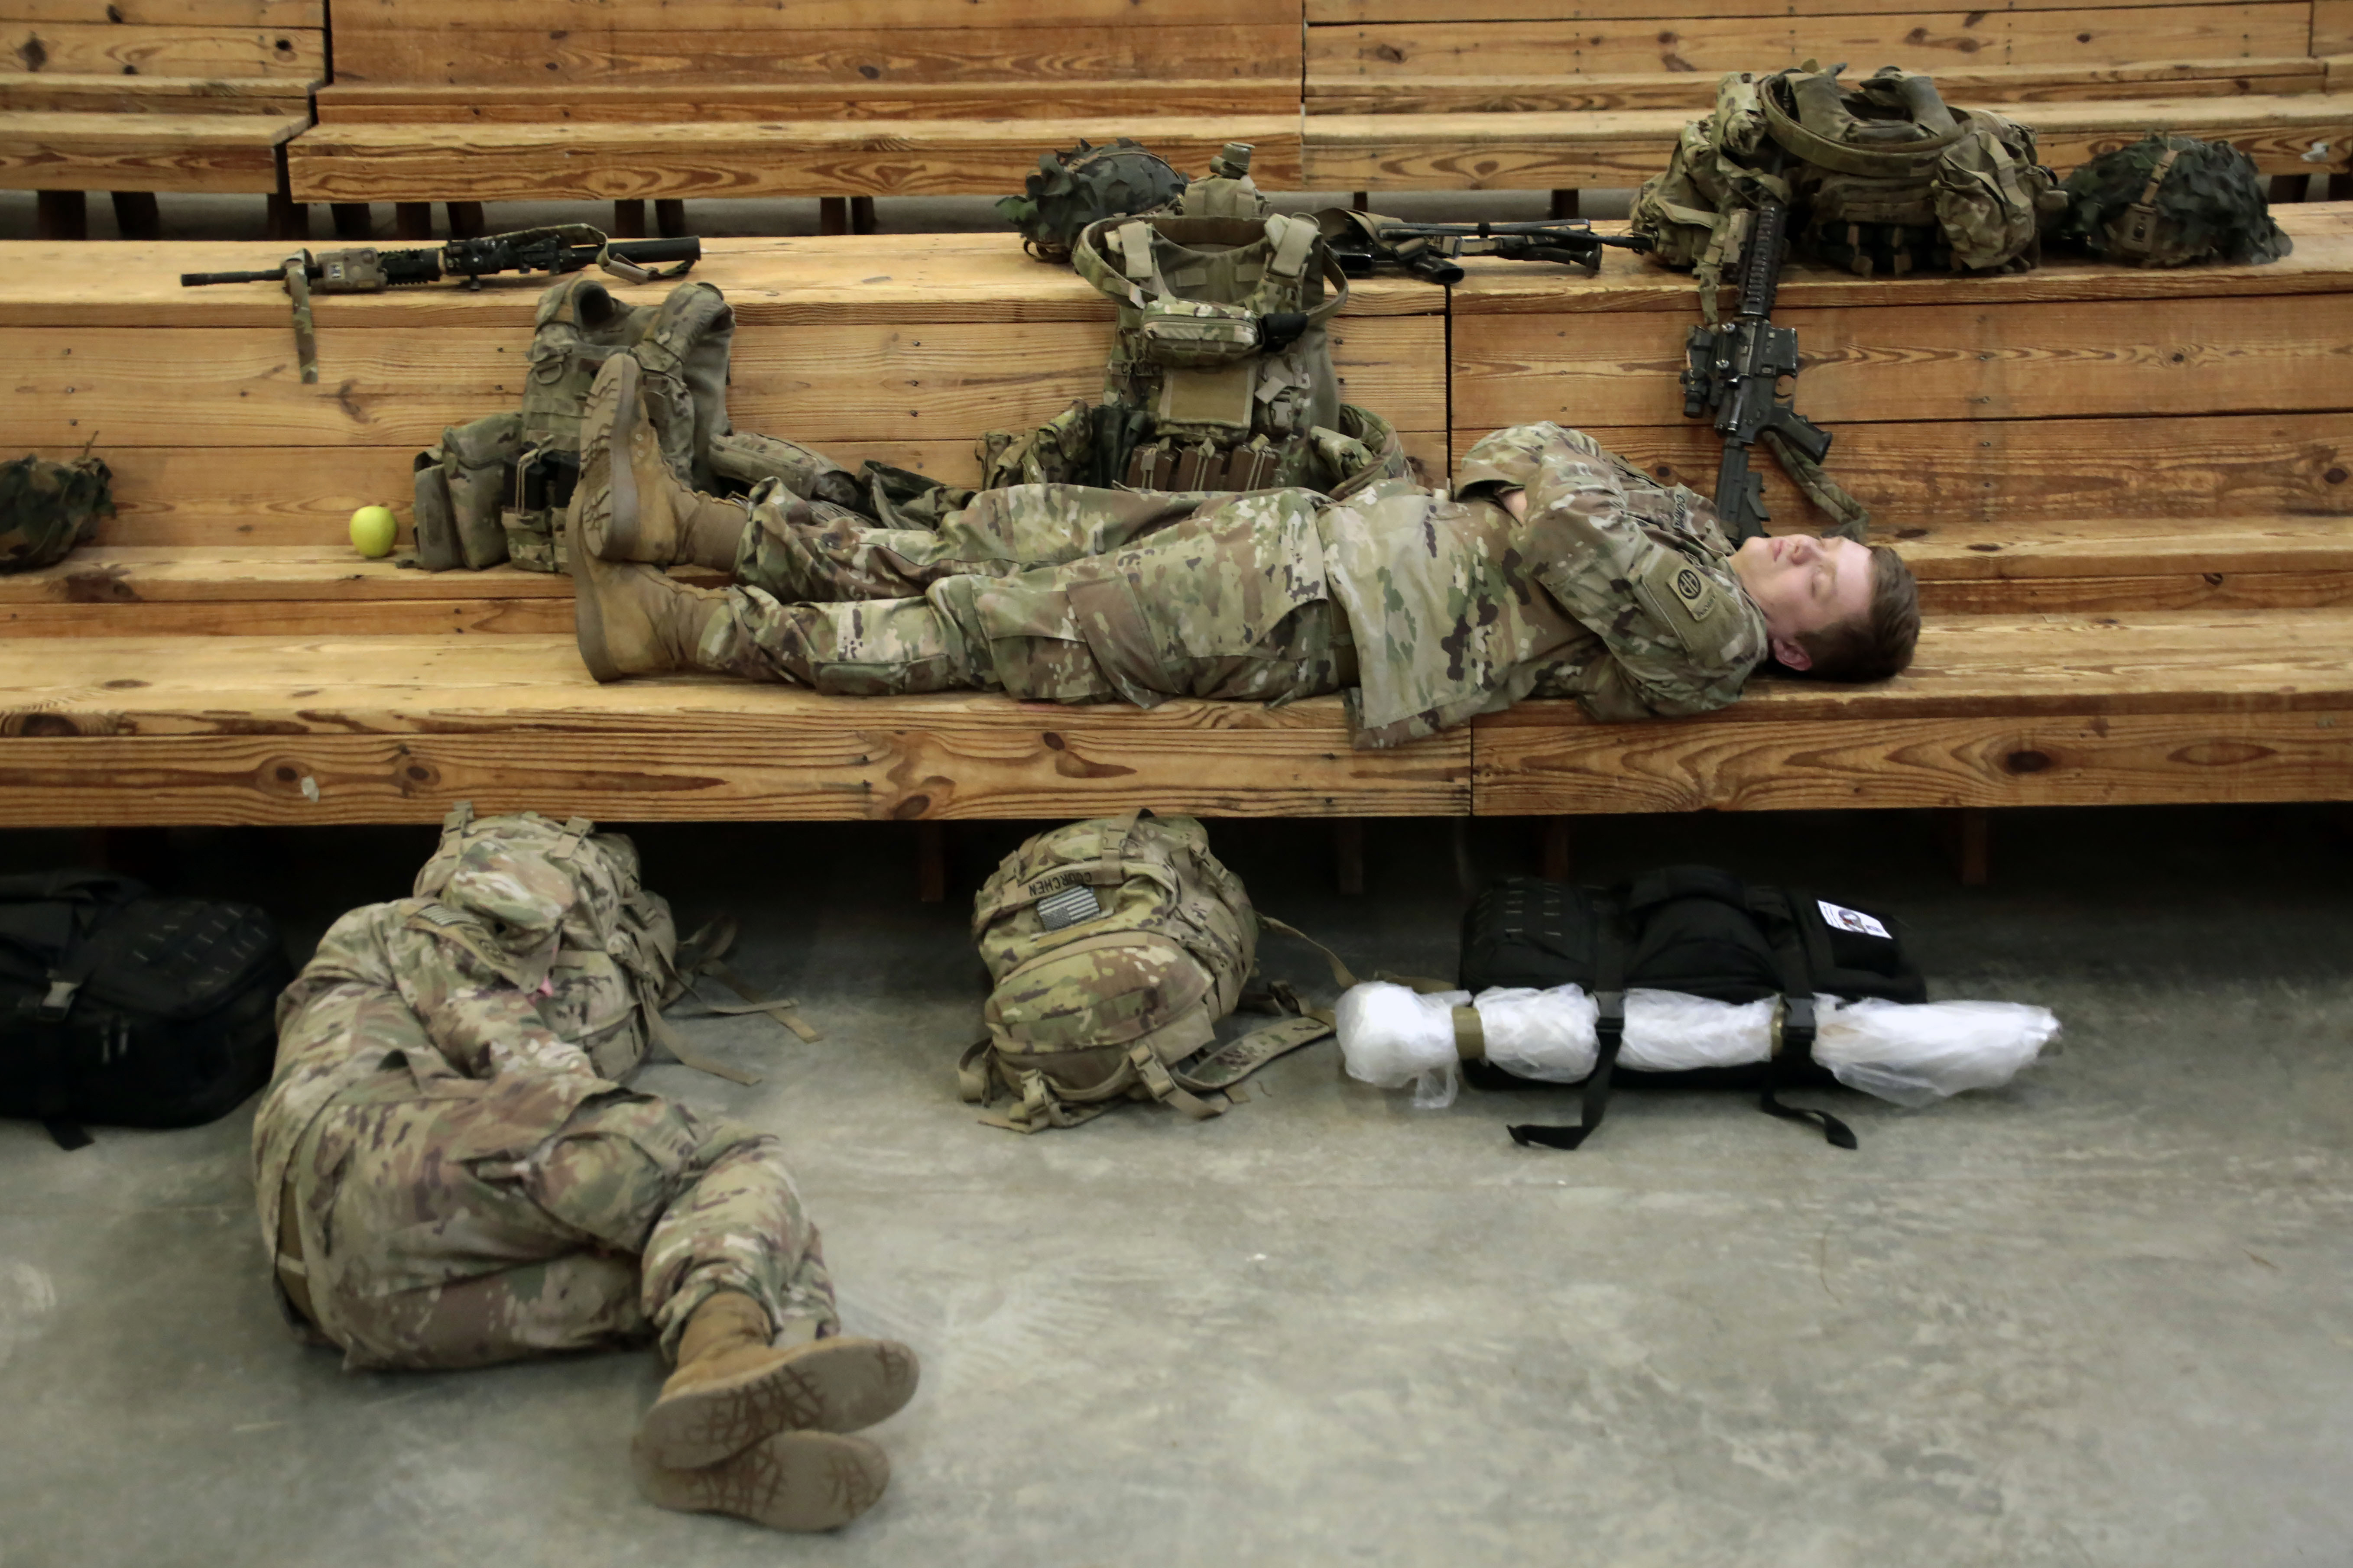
[1878, 643]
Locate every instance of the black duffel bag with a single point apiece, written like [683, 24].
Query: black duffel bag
[122, 1008]
[1692, 929]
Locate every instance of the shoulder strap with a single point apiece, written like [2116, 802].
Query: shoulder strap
[1609, 1033]
[1794, 1024]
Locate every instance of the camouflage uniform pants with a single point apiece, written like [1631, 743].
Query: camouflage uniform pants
[451, 1229]
[809, 551]
[1222, 602]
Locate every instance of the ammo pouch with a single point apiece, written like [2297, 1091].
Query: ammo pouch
[1689, 928]
[461, 488]
[1115, 945]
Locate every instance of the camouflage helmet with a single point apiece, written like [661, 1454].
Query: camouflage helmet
[2168, 201]
[47, 509]
[1073, 189]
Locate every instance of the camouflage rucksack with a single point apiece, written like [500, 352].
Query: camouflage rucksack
[47, 509]
[2168, 201]
[1879, 177]
[1221, 377]
[495, 490]
[1116, 944]
[557, 907]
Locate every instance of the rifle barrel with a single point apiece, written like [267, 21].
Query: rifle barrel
[198, 279]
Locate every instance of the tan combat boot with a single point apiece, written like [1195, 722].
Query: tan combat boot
[632, 620]
[734, 1388]
[790, 1480]
[632, 506]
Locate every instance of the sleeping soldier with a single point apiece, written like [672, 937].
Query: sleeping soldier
[1559, 570]
[448, 1178]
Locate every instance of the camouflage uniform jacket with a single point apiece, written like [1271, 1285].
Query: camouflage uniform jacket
[1615, 590]
[398, 1003]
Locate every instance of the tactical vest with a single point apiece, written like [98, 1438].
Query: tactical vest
[1882, 177]
[495, 490]
[1115, 945]
[1221, 378]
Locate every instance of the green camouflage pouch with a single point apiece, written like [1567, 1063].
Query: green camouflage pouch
[47, 507]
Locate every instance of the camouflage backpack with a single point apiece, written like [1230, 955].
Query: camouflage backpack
[47, 509]
[1879, 177]
[2168, 201]
[495, 490]
[1222, 375]
[558, 908]
[1116, 944]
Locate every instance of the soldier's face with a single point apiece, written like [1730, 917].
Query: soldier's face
[1804, 585]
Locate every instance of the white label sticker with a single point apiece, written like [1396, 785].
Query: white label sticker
[1852, 920]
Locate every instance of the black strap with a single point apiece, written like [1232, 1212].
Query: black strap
[1772, 908]
[1608, 1033]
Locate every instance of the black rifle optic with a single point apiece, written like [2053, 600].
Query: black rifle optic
[1433, 250]
[565, 247]
[1733, 376]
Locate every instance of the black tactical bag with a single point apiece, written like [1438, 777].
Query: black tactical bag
[1692, 929]
[122, 1008]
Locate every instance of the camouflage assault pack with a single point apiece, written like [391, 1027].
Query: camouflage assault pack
[495, 490]
[1879, 177]
[1116, 944]
[47, 507]
[558, 909]
[2169, 201]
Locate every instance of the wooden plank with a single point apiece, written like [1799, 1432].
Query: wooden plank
[249, 14]
[631, 162]
[297, 53]
[220, 152]
[2252, 354]
[366, 19]
[2004, 87]
[2151, 590]
[2322, 263]
[888, 56]
[290, 617]
[1329, 13]
[1713, 44]
[534, 104]
[237, 387]
[1921, 477]
[2332, 26]
[2302, 133]
[52, 92]
[1538, 760]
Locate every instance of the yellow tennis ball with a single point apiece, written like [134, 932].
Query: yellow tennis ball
[372, 527]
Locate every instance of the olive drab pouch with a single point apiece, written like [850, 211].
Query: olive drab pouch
[559, 908]
[47, 507]
[1227, 191]
[461, 489]
[2171, 201]
[1115, 946]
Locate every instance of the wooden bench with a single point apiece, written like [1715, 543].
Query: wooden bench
[138, 97]
[2128, 497]
[842, 100]
[1495, 95]
[2163, 612]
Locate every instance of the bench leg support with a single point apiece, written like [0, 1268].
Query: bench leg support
[1554, 862]
[1361, 201]
[288, 219]
[2340, 187]
[628, 220]
[670, 218]
[2291, 187]
[1565, 204]
[412, 220]
[1348, 854]
[353, 220]
[61, 215]
[465, 220]
[930, 861]
[1968, 833]
[833, 214]
[136, 215]
[861, 215]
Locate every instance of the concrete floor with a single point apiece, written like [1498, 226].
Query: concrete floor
[2103, 1318]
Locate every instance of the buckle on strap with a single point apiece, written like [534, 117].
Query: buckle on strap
[53, 1007]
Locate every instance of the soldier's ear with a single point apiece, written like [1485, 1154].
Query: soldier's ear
[1790, 654]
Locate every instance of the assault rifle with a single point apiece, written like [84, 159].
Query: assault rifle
[565, 247]
[1733, 374]
[1433, 250]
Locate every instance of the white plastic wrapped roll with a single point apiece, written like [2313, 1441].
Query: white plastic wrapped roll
[1911, 1053]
